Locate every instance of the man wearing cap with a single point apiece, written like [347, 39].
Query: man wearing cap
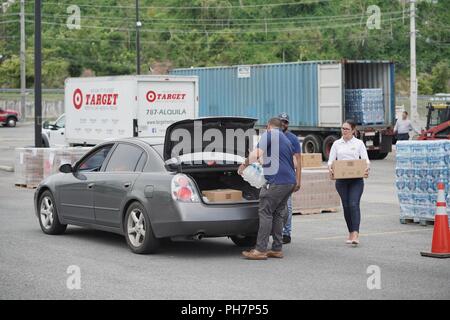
[275, 152]
[284, 118]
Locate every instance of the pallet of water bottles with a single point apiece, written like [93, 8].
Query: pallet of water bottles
[365, 106]
[420, 166]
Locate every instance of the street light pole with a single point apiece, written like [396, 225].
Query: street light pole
[23, 84]
[37, 75]
[413, 84]
[138, 45]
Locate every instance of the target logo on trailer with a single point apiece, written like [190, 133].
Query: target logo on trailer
[77, 99]
[151, 96]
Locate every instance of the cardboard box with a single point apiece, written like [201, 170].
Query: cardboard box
[348, 169]
[223, 195]
[317, 192]
[311, 160]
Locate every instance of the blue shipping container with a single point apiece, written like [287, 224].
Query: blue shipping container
[301, 89]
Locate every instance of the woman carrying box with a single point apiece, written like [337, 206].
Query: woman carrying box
[350, 190]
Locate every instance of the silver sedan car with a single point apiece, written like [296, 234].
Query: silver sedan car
[134, 188]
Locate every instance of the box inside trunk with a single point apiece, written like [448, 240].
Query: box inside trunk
[225, 180]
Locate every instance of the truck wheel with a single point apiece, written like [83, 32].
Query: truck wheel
[326, 146]
[11, 122]
[244, 241]
[138, 230]
[377, 155]
[312, 144]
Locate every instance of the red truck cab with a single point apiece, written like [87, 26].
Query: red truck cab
[8, 117]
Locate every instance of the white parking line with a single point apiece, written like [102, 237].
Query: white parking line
[378, 233]
[337, 215]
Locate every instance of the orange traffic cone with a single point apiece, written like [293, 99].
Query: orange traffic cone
[440, 246]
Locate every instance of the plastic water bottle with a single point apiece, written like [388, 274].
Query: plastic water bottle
[254, 175]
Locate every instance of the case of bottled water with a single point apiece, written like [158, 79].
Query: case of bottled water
[254, 175]
[365, 106]
[420, 166]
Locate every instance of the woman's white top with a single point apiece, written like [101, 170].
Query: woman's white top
[348, 150]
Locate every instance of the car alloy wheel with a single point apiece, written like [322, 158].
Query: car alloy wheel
[11, 122]
[46, 212]
[136, 227]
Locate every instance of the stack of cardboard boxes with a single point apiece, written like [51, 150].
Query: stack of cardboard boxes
[28, 166]
[56, 157]
[32, 165]
[317, 193]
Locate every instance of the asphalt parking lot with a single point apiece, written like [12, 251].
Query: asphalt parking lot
[317, 264]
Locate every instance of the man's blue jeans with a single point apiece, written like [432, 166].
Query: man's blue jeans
[288, 222]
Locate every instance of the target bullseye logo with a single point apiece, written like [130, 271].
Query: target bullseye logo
[151, 96]
[77, 99]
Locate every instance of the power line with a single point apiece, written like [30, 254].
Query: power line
[9, 21]
[261, 22]
[249, 42]
[9, 14]
[200, 20]
[304, 2]
[229, 31]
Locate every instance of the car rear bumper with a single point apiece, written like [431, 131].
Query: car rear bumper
[211, 220]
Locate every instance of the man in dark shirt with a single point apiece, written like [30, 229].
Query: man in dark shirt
[298, 170]
[276, 152]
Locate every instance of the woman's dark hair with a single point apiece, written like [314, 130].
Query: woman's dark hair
[351, 122]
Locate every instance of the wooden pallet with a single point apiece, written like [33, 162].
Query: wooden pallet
[420, 221]
[26, 186]
[315, 211]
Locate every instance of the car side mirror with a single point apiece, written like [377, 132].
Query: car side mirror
[45, 125]
[66, 168]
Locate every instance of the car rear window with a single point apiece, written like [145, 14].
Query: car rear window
[124, 158]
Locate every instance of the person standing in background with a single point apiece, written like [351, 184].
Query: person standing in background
[402, 127]
[298, 167]
[350, 190]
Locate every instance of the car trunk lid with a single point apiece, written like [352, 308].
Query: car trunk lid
[201, 144]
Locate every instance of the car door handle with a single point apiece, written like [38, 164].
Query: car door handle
[127, 184]
[91, 185]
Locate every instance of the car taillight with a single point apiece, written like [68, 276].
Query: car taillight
[184, 194]
[183, 189]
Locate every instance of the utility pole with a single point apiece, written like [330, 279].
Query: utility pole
[37, 75]
[413, 84]
[138, 45]
[23, 84]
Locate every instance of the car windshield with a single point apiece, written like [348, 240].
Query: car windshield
[61, 122]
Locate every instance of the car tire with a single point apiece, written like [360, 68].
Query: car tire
[244, 241]
[11, 122]
[138, 230]
[312, 144]
[48, 215]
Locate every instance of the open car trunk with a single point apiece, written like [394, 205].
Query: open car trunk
[225, 180]
[198, 145]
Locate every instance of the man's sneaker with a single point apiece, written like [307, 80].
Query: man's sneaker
[254, 255]
[286, 239]
[275, 254]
